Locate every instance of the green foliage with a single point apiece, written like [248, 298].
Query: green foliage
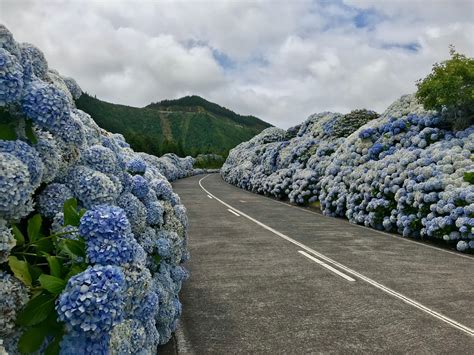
[449, 88]
[9, 126]
[44, 262]
[209, 161]
[72, 216]
[20, 270]
[351, 121]
[35, 335]
[36, 310]
[53, 284]
[469, 177]
[188, 126]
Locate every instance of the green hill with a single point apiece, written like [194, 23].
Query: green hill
[187, 126]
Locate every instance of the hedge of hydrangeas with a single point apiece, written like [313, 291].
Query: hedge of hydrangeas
[401, 172]
[92, 236]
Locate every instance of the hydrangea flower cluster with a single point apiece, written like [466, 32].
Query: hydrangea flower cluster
[133, 217]
[400, 172]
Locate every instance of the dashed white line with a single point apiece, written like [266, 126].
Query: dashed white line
[329, 267]
[381, 287]
[233, 212]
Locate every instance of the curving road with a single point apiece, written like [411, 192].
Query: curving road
[267, 277]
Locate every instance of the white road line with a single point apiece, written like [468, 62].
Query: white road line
[238, 215]
[209, 196]
[329, 267]
[385, 289]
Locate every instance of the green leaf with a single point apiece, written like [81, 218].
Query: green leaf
[20, 269]
[71, 216]
[35, 272]
[81, 212]
[36, 310]
[44, 246]
[34, 227]
[75, 248]
[53, 347]
[157, 258]
[7, 132]
[20, 238]
[469, 177]
[76, 269]
[32, 339]
[52, 283]
[30, 133]
[54, 265]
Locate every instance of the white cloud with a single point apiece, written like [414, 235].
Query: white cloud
[283, 59]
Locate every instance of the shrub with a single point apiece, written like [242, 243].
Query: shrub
[449, 89]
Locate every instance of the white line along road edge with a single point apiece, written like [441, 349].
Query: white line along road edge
[329, 267]
[238, 215]
[385, 289]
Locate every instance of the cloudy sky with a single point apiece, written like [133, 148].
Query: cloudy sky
[278, 60]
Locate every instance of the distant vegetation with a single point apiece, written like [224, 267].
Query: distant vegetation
[449, 89]
[187, 126]
[209, 161]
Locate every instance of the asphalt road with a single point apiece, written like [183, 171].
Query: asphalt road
[267, 277]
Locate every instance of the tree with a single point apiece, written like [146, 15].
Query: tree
[449, 89]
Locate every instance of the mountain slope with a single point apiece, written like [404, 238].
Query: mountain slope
[187, 126]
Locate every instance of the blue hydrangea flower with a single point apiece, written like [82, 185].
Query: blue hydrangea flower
[462, 246]
[51, 200]
[136, 166]
[13, 297]
[28, 156]
[101, 159]
[104, 222]
[139, 186]
[163, 246]
[117, 251]
[49, 153]
[15, 188]
[162, 188]
[92, 301]
[128, 337]
[155, 212]
[84, 343]
[11, 78]
[36, 59]
[180, 212]
[8, 42]
[91, 187]
[7, 241]
[135, 210]
[73, 87]
[46, 105]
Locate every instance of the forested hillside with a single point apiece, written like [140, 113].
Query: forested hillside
[187, 126]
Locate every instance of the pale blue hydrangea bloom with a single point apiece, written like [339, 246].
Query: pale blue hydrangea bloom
[15, 188]
[85, 343]
[7, 241]
[51, 200]
[28, 156]
[36, 59]
[73, 87]
[46, 105]
[11, 78]
[13, 297]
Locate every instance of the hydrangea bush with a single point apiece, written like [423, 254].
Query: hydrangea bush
[401, 172]
[92, 236]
